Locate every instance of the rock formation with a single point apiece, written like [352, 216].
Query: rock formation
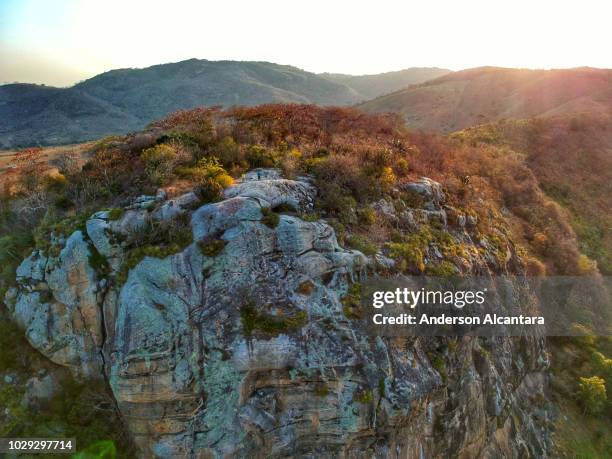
[238, 346]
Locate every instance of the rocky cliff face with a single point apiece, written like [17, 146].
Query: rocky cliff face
[238, 346]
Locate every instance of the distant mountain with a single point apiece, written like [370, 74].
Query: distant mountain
[125, 100]
[370, 86]
[476, 96]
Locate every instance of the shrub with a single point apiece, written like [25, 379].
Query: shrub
[260, 156]
[56, 182]
[401, 167]
[228, 152]
[50, 228]
[602, 364]
[63, 202]
[254, 320]
[158, 239]
[158, 162]
[351, 302]
[366, 216]
[68, 163]
[441, 269]
[360, 243]
[410, 251]
[585, 265]
[208, 191]
[592, 394]
[336, 201]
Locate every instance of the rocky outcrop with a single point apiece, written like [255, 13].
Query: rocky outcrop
[57, 304]
[238, 345]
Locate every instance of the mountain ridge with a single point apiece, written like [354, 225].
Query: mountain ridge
[487, 94]
[123, 100]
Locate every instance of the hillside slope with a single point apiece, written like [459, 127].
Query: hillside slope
[571, 156]
[371, 86]
[125, 100]
[482, 95]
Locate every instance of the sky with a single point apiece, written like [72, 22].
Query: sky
[60, 42]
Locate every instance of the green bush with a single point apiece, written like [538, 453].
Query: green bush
[592, 394]
[366, 216]
[229, 153]
[158, 162]
[98, 261]
[603, 365]
[441, 269]
[360, 243]
[438, 362]
[260, 156]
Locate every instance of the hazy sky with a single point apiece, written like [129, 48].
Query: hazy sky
[59, 42]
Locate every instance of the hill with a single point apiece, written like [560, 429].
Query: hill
[571, 157]
[481, 95]
[125, 100]
[371, 86]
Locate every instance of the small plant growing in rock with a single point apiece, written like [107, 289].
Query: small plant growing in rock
[157, 239]
[254, 320]
[305, 288]
[98, 261]
[115, 213]
[381, 388]
[351, 302]
[211, 248]
[364, 396]
[310, 217]
[270, 218]
[321, 390]
[438, 362]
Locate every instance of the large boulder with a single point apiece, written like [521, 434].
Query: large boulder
[57, 306]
